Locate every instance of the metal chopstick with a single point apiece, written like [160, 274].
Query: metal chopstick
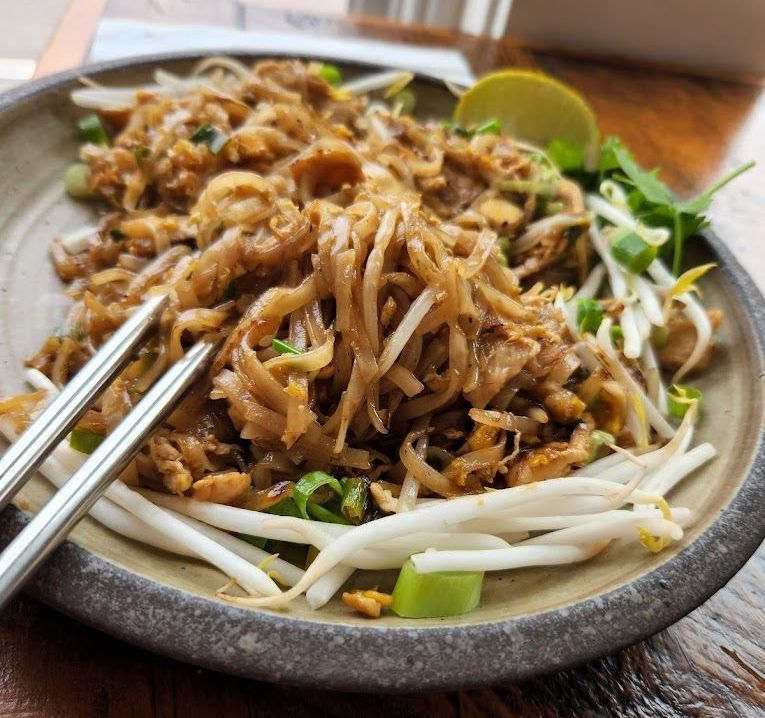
[50, 526]
[22, 458]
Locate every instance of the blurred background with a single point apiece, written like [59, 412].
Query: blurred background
[704, 37]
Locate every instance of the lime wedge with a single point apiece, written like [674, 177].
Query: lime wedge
[534, 107]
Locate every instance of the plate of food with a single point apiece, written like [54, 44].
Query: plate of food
[485, 404]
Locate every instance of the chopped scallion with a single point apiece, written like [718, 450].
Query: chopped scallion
[355, 499]
[279, 345]
[632, 252]
[141, 153]
[679, 399]
[286, 507]
[211, 136]
[93, 130]
[616, 333]
[320, 513]
[331, 74]
[308, 484]
[84, 440]
[599, 439]
[433, 595]
[77, 181]
[589, 315]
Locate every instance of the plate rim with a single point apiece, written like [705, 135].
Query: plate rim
[88, 587]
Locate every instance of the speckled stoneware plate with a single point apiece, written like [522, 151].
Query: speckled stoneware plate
[529, 621]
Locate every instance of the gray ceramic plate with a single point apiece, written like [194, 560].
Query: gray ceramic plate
[529, 621]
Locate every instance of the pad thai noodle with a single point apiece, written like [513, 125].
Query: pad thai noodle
[436, 351]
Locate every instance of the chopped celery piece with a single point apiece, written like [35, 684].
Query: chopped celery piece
[77, 180]
[278, 345]
[679, 399]
[433, 595]
[84, 440]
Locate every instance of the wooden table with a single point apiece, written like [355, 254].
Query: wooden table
[711, 663]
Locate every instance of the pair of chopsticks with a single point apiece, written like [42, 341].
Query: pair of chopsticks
[24, 555]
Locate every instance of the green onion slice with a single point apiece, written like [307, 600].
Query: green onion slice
[589, 315]
[320, 513]
[77, 181]
[355, 500]
[308, 483]
[279, 345]
[211, 136]
[433, 595]
[679, 399]
[331, 74]
[599, 439]
[632, 252]
[93, 130]
[286, 507]
[84, 440]
[616, 333]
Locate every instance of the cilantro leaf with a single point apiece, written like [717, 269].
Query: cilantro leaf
[652, 202]
[647, 183]
[700, 203]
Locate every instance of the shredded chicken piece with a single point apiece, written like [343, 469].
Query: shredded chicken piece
[383, 497]
[681, 339]
[169, 462]
[227, 488]
[552, 460]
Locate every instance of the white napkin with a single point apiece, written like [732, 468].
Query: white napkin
[123, 38]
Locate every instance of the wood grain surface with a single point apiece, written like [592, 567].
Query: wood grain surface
[711, 663]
